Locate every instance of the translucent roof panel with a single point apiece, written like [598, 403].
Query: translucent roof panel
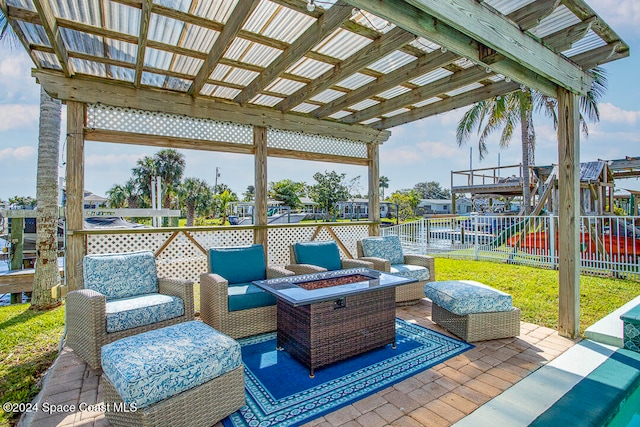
[355, 81]
[34, 34]
[508, 6]
[590, 41]
[266, 100]
[152, 79]
[277, 22]
[121, 73]
[327, 95]
[220, 72]
[427, 102]
[396, 112]
[122, 18]
[180, 85]
[372, 21]
[243, 50]
[155, 58]
[464, 63]
[181, 5]
[240, 76]
[391, 62]
[431, 76]
[364, 104]
[23, 4]
[425, 45]
[87, 11]
[305, 107]
[88, 67]
[225, 92]
[76, 41]
[368, 122]
[393, 92]
[309, 68]
[284, 86]
[341, 44]
[199, 38]
[165, 30]
[464, 89]
[122, 51]
[47, 60]
[186, 65]
[560, 19]
[340, 114]
[218, 11]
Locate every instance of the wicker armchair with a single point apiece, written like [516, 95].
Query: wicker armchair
[121, 295]
[314, 257]
[386, 255]
[229, 302]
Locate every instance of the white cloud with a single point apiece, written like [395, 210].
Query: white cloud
[18, 116]
[18, 153]
[619, 13]
[16, 83]
[611, 113]
[419, 153]
[129, 160]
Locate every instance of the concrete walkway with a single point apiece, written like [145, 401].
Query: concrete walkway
[440, 396]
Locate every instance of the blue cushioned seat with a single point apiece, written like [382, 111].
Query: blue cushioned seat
[464, 297]
[243, 296]
[418, 272]
[141, 310]
[155, 365]
[323, 254]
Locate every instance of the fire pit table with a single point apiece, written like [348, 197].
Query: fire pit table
[330, 316]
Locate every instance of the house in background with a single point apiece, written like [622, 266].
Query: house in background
[443, 206]
[359, 209]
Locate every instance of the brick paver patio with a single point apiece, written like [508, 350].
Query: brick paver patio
[439, 396]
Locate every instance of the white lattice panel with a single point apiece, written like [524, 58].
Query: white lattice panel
[106, 117]
[298, 141]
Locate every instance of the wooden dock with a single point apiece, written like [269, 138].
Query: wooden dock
[15, 282]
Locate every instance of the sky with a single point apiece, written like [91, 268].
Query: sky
[421, 151]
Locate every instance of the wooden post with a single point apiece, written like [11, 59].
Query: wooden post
[74, 190]
[568, 214]
[17, 243]
[373, 152]
[260, 208]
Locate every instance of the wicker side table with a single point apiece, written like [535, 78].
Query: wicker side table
[478, 326]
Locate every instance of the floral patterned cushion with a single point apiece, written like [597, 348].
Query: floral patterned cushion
[387, 247]
[463, 297]
[155, 365]
[121, 275]
[418, 272]
[127, 313]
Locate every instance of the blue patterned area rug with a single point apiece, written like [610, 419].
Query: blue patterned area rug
[280, 392]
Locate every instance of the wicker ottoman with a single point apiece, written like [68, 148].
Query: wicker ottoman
[631, 331]
[473, 311]
[187, 374]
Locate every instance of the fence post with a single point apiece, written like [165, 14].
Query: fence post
[475, 236]
[552, 241]
[425, 226]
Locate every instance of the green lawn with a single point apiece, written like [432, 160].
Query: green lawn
[29, 339]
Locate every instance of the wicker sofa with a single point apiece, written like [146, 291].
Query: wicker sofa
[229, 302]
[121, 295]
[315, 257]
[386, 254]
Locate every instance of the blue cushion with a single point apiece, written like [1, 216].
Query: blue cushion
[121, 275]
[418, 272]
[142, 310]
[322, 254]
[155, 365]
[463, 297]
[239, 264]
[246, 295]
[387, 247]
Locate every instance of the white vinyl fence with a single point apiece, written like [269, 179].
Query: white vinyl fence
[609, 245]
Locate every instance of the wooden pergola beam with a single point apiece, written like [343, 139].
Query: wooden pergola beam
[454, 81]
[563, 39]
[387, 43]
[238, 17]
[529, 16]
[602, 55]
[53, 33]
[423, 65]
[325, 25]
[145, 17]
[125, 95]
[9, 11]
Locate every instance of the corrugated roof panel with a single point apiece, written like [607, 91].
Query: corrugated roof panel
[496, 78]
[225, 92]
[122, 51]
[464, 63]
[34, 34]
[341, 44]
[327, 96]
[266, 100]
[85, 11]
[75, 41]
[305, 108]
[180, 85]
[368, 122]
[237, 48]
[220, 72]
[152, 79]
[309, 68]
[262, 14]
[427, 102]
[393, 92]
[240, 76]
[288, 25]
[165, 30]
[284, 86]
[88, 67]
[340, 114]
[260, 55]
[431, 76]
[396, 112]
[157, 58]
[187, 65]
[207, 89]
[364, 104]
[218, 10]
[355, 81]
[589, 42]
[24, 4]
[47, 60]
[181, 5]
[425, 45]
[372, 21]
[559, 19]
[507, 6]
[199, 38]
[122, 18]
[121, 73]
[464, 89]
[391, 62]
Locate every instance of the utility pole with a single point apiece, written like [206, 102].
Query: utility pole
[215, 187]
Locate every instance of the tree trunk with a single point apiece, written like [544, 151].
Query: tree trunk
[46, 274]
[191, 209]
[528, 141]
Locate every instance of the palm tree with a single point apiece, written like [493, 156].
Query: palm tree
[196, 195]
[383, 183]
[170, 168]
[117, 196]
[506, 112]
[224, 199]
[46, 272]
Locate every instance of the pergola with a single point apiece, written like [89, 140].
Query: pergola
[318, 80]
